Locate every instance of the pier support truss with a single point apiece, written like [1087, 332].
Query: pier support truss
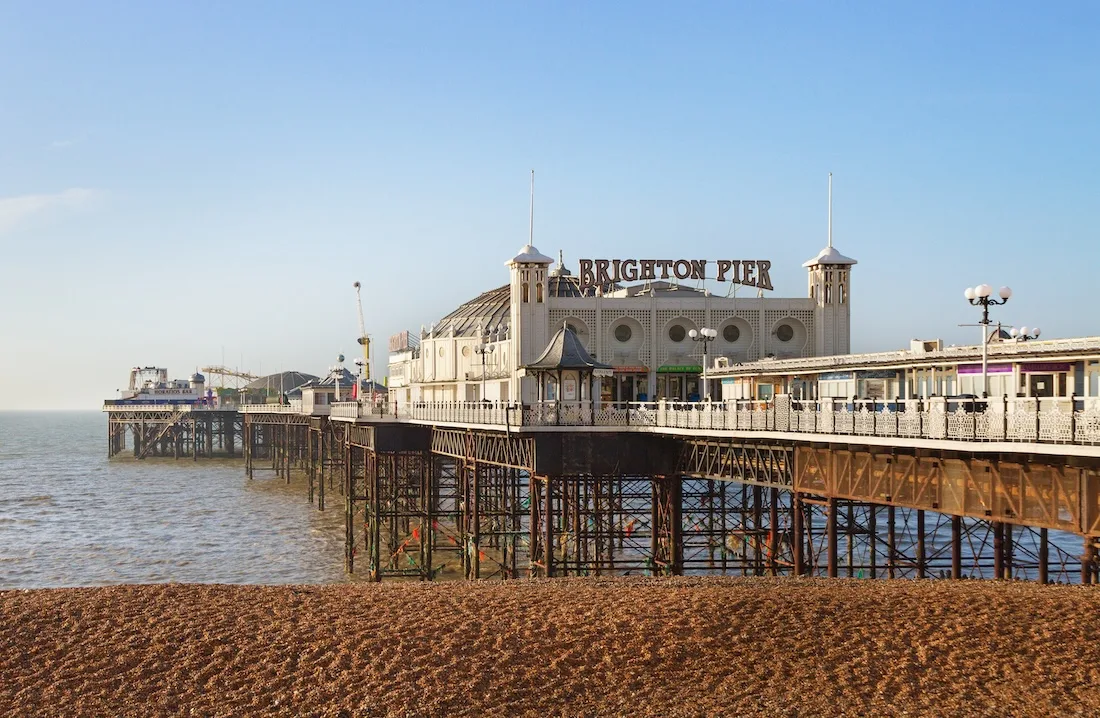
[425, 503]
[325, 458]
[275, 442]
[583, 525]
[175, 433]
[389, 513]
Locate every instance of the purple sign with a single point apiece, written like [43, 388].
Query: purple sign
[1045, 367]
[993, 369]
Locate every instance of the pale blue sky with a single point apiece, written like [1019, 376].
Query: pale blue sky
[181, 181]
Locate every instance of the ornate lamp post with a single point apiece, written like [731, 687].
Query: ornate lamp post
[1024, 334]
[980, 296]
[359, 363]
[337, 369]
[706, 336]
[484, 349]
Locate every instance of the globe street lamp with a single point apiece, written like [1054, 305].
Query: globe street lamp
[337, 369]
[980, 296]
[1023, 333]
[706, 336]
[484, 349]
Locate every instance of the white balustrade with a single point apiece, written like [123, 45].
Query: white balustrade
[1023, 419]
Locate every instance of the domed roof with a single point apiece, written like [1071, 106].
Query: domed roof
[829, 255]
[198, 378]
[488, 311]
[282, 381]
[529, 255]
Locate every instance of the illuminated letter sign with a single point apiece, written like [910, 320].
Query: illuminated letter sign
[749, 272]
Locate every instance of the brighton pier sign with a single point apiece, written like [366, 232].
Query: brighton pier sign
[749, 272]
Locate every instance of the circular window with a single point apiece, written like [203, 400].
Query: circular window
[441, 351]
[731, 333]
[465, 351]
[784, 332]
[623, 333]
[677, 333]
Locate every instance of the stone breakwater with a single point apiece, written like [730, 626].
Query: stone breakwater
[596, 647]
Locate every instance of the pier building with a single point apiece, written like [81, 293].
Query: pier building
[1039, 370]
[643, 331]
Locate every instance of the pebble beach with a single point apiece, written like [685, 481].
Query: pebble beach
[565, 647]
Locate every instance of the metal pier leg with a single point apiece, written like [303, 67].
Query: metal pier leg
[956, 547]
[1088, 560]
[773, 533]
[548, 518]
[891, 543]
[872, 539]
[921, 560]
[1044, 556]
[830, 527]
[998, 550]
[797, 541]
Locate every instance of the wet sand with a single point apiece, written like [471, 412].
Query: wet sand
[600, 647]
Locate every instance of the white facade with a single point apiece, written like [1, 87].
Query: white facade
[642, 330]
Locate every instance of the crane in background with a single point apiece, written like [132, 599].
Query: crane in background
[364, 340]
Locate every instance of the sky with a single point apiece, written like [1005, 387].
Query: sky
[184, 184]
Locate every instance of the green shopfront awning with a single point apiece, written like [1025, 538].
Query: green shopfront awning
[680, 369]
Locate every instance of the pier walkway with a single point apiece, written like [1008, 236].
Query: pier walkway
[936, 487]
[1061, 427]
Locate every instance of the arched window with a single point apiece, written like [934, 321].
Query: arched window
[526, 292]
[538, 292]
[828, 294]
[843, 293]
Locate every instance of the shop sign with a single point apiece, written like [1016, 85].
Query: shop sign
[1045, 367]
[749, 272]
[878, 374]
[992, 369]
[630, 369]
[680, 369]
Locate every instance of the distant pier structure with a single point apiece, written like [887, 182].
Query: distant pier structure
[178, 418]
[564, 425]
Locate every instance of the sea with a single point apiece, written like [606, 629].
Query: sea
[70, 517]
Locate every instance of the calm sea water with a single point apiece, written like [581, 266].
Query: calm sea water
[70, 517]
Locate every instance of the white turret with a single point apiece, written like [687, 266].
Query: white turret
[830, 288]
[530, 317]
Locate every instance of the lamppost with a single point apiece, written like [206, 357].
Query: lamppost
[359, 363]
[483, 349]
[979, 296]
[337, 369]
[706, 336]
[1023, 333]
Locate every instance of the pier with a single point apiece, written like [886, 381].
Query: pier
[502, 447]
[175, 430]
[502, 491]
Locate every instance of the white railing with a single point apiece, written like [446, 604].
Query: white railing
[362, 410]
[1025, 420]
[294, 407]
[1029, 420]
